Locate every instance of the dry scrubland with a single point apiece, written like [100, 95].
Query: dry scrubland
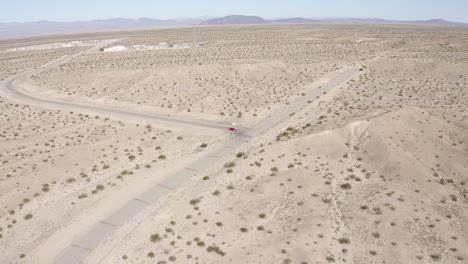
[236, 76]
[55, 165]
[373, 172]
[12, 63]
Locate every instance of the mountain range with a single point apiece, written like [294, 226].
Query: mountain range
[25, 29]
[233, 20]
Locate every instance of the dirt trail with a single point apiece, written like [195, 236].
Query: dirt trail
[74, 250]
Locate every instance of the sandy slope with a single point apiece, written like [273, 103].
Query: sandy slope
[396, 134]
[400, 206]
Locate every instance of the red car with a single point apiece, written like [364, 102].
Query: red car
[232, 129]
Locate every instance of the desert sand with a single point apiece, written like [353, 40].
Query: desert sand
[372, 171]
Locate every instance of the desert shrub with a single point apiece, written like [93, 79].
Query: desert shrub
[344, 240]
[345, 186]
[155, 238]
[215, 249]
[436, 257]
[194, 201]
[28, 216]
[229, 165]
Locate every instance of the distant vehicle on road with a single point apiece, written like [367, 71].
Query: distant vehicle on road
[361, 69]
[231, 129]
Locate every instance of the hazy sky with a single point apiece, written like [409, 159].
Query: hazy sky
[65, 10]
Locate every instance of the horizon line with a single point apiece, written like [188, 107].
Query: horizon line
[213, 17]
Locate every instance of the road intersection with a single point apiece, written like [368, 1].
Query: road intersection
[77, 249]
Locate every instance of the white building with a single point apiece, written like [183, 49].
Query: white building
[115, 48]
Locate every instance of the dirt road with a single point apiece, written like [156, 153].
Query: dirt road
[73, 250]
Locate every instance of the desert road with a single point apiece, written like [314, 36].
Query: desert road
[11, 88]
[76, 249]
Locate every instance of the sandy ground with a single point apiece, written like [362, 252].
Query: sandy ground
[353, 194]
[13, 63]
[373, 172]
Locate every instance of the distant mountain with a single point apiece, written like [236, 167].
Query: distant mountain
[26, 29]
[293, 20]
[202, 18]
[363, 20]
[15, 30]
[235, 20]
[354, 20]
[436, 22]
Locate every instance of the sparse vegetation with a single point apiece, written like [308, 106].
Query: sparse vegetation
[28, 216]
[155, 238]
[382, 151]
[216, 250]
[344, 240]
